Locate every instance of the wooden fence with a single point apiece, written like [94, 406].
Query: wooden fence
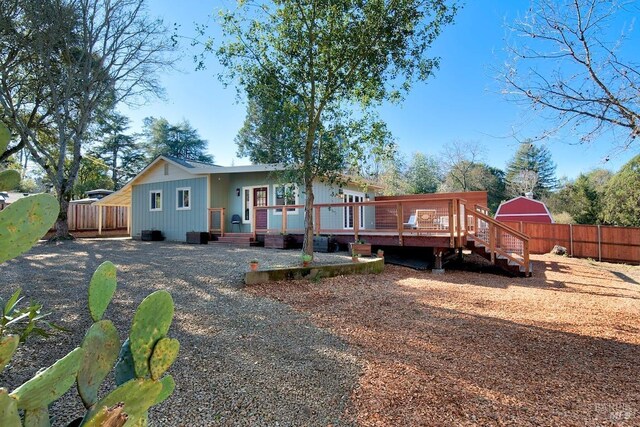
[85, 217]
[601, 242]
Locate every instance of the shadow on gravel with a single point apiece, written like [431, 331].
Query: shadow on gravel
[244, 360]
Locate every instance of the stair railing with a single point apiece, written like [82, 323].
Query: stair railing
[499, 238]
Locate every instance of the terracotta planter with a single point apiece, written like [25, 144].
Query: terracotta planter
[254, 266]
[362, 249]
[355, 259]
[306, 263]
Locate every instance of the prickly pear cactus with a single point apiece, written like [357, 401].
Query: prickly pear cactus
[142, 360]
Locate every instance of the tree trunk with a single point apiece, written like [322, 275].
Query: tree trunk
[307, 244]
[62, 224]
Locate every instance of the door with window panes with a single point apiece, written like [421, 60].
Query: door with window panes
[260, 199]
[348, 211]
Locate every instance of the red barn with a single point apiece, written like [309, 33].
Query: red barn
[523, 209]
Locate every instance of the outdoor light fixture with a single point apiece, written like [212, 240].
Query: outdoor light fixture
[341, 193]
[366, 197]
[238, 192]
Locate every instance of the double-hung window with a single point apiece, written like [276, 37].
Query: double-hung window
[285, 195]
[183, 198]
[155, 202]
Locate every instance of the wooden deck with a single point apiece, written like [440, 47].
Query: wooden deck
[437, 222]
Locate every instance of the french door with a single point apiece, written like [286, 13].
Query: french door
[347, 211]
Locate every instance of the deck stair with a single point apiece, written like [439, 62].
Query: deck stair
[238, 239]
[503, 246]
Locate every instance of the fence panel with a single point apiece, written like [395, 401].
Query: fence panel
[608, 243]
[85, 217]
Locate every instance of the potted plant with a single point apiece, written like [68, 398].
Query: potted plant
[355, 256]
[361, 248]
[306, 260]
[253, 264]
[380, 253]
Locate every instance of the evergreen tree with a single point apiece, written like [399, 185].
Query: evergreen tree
[531, 170]
[181, 141]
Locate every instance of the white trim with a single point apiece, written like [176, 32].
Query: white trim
[184, 208]
[296, 193]
[523, 214]
[161, 201]
[362, 221]
[250, 201]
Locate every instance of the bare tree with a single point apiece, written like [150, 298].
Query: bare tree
[567, 60]
[460, 160]
[65, 61]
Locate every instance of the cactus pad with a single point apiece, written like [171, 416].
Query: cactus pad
[141, 421]
[25, 221]
[168, 385]
[9, 179]
[8, 410]
[101, 345]
[101, 289]
[164, 354]
[124, 368]
[150, 323]
[50, 384]
[37, 418]
[137, 395]
[114, 416]
[8, 346]
[5, 137]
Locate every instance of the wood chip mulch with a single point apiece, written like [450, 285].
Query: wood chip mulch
[559, 349]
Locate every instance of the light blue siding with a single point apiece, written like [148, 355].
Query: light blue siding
[173, 223]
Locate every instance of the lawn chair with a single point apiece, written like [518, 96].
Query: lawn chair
[411, 223]
[425, 218]
[236, 220]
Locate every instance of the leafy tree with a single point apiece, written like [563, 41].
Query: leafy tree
[181, 141]
[93, 174]
[326, 66]
[477, 177]
[581, 199]
[569, 59]
[531, 170]
[423, 174]
[460, 160]
[391, 175]
[62, 62]
[622, 196]
[123, 154]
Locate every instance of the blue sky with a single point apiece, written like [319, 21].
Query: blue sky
[462, 102]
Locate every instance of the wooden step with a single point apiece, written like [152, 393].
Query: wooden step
[235, 240]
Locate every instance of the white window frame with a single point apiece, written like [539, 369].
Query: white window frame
[361, 215]
[296, 200]
[178, 190]
[151, 208]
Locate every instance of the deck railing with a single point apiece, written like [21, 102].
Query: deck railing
[451, 220]
[216, 221]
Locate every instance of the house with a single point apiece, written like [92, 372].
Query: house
[177, 196]
[524, 209]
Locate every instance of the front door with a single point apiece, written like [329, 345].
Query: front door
[347, 216]
[260, 199]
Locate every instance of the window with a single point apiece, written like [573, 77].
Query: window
[285, 195]
[348, 211]
[155, 203]
[183, 198]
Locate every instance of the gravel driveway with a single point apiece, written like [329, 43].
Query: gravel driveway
[244, 360]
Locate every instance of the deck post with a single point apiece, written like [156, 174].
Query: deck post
[451, 224]
[492, 242]
[356, 221]
[209, 221]
[525, 246]
[459, 223]
[284, 221]
[317, 219]
[222, 222]
[400, 221]
[253, 223]
[99, 220]
[129, 217]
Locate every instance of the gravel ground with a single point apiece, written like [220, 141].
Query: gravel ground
[244, 360]
[471, 349]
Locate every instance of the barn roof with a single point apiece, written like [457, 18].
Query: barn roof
[523, 209]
